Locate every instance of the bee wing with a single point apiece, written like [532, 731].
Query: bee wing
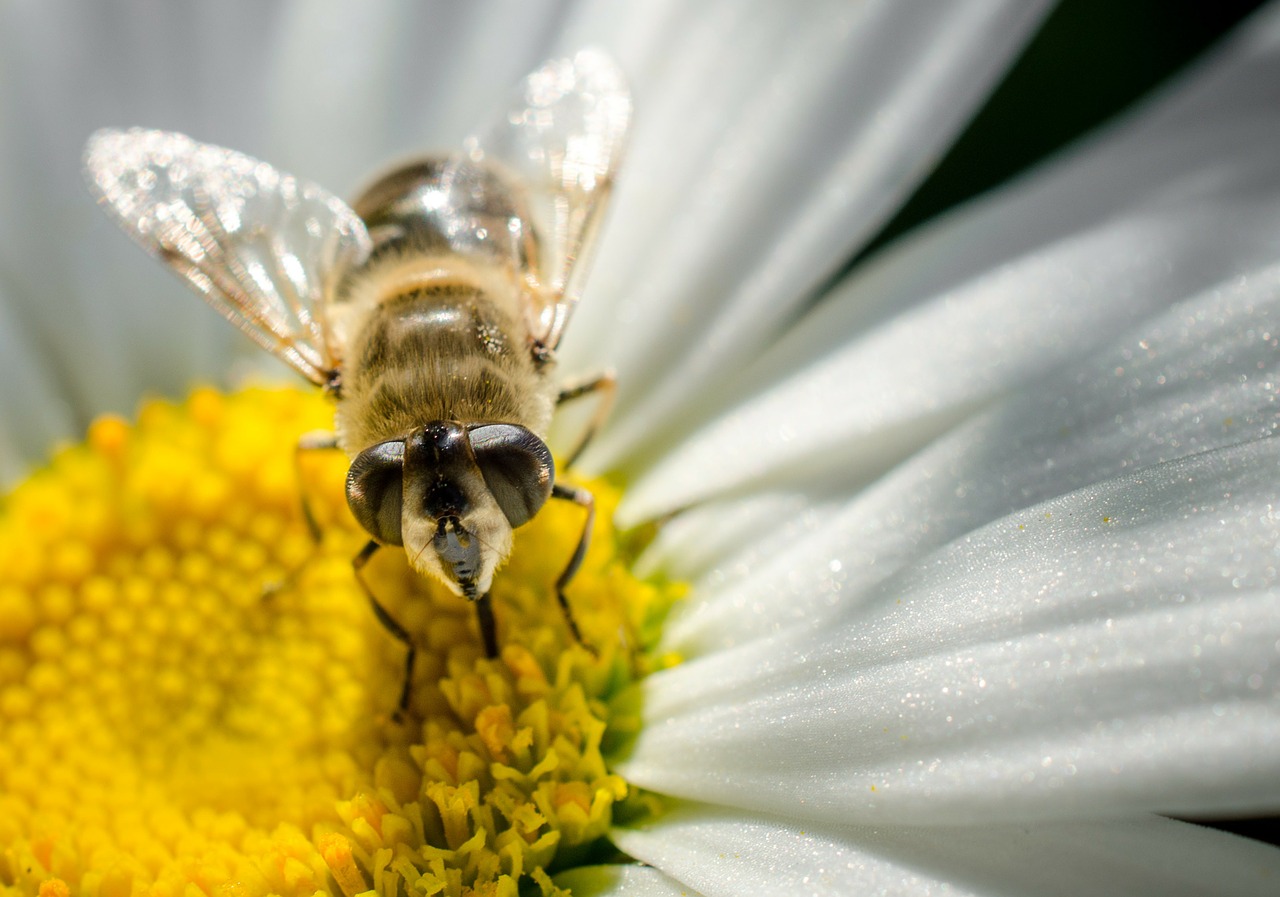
[559, 142]
[260, 246]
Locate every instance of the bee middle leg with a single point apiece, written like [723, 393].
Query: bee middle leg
[389, 622]
[606, 385]
[584, 499]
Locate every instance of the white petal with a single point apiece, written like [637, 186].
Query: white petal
[1200, 376]
[767, 147]
[629, 880]
[720, 540]
[1112, 651]
[1153, 211]
[731, 853]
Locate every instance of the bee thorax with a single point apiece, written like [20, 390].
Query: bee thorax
[450, 349]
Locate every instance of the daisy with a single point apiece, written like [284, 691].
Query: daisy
[980, 551]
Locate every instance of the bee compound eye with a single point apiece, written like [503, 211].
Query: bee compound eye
[375, 490]
[517, 467]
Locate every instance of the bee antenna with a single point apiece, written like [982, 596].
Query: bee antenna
[418, 554]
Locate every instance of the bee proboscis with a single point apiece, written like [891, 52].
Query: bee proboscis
[430, 309]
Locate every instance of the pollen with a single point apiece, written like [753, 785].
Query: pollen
[195, 696]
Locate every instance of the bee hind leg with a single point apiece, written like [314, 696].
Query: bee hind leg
[606, 385]
[389, 622]
[584, 499]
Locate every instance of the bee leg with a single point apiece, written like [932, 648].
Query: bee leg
[388, 621]
[488, 628]
[606, 384]
[319, 440]
[584, 499]
[316, 441]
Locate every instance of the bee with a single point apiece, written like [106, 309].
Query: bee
[430, 309]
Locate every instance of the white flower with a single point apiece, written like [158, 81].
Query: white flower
[983, 545]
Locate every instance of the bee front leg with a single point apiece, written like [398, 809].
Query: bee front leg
[585, 499]
[389, 622]
[316, 441]
[606, 385]
[488, 628]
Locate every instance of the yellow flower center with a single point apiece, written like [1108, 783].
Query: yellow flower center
[194, 695]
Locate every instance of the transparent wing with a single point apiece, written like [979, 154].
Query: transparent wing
[262, 247]
[557, 148]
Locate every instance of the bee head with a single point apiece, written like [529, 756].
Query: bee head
[451, 494]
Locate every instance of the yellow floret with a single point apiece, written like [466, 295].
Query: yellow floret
[196, 699]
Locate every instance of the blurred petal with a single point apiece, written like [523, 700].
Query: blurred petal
[108, 320]
[729, 853]
[756, 168]
[357, 85]
[629, 880]
[29, 395]
[1153, 211]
